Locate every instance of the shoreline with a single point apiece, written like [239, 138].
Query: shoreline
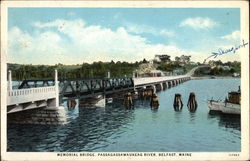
[213, 77]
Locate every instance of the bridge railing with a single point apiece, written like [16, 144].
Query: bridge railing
[18, 96]
[150, 80]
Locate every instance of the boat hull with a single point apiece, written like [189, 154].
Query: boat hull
[228, 108]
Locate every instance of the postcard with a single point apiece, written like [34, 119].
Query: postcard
[124, 80]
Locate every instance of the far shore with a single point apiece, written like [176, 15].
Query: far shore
[213, 77]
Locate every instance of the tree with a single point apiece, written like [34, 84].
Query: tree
[177, 59]
[144, 61]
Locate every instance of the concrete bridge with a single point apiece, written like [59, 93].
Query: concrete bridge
[159, 83]
[39, 100]
[50, 93]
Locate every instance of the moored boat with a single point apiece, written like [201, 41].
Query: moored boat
[231, 105]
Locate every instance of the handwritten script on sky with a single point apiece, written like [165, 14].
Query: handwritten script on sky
[229, 50]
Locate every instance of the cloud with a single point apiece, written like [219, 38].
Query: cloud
[167, 33]
[38, 48]
[199, 23]
[74, 42]
[235, 35]
[140, 29]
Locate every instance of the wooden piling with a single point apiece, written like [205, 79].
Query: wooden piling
[177, 102]
[192, 103]
[154, 102]
[148, 93]
[71, 104]
[128, 101]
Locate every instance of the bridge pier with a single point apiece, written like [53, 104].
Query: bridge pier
[40, 116]
[169, 84]
[158, 87]
[165, 85]
[92, 102]
[154, 88]
[173, 83]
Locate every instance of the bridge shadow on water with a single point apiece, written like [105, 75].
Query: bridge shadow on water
[31, 138]
[95, 127]
[92, 129]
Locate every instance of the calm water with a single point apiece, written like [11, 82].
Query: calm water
[116, 129]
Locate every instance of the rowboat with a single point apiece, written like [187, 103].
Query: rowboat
[230, 105]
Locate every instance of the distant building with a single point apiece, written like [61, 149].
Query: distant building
[151, 61]
[221, 67]
[178, 71]
[226, 67]
[236, 74]
[156, 73]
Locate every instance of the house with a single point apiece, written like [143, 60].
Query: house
[151, 61]
[236, 74]
[178, 71]
[226, 67]
[156, 73]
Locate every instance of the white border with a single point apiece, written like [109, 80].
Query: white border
[243, 5]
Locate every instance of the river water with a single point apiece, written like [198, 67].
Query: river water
[116, 129]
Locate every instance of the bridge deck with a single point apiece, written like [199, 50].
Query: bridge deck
[155, 80]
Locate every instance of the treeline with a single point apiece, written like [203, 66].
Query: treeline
[217, 68]
[168, 67]
[94, 70]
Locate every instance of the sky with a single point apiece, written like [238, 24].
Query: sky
[76, 35]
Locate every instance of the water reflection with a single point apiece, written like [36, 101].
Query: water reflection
[154, 110]
[177, 116]
[226, 120]
[192, 117]
[30, 136]
[95, 126]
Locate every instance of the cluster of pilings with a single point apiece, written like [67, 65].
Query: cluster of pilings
[154, 101]
[142, 95]
[192, 103]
